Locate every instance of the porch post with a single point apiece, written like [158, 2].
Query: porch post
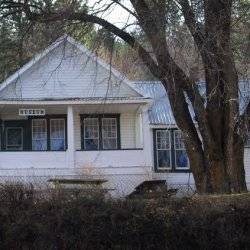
[71, 137]
[147, 137]
[139, 129]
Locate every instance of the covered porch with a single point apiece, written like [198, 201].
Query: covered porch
[72, 137]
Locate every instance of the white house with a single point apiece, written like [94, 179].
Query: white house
[66, 113]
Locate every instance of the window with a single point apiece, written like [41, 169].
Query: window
[48, 134]
[170, 153]
[57, 134]
[109, 133]
[163, 149]
[100, 132]
[91, 133]
[247, 138]
[181, 159]
[14, 138]
[39, 134]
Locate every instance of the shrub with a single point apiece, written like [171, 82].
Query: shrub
[59, 220]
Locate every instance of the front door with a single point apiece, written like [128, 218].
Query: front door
[16, 135]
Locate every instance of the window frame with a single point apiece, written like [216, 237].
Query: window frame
[247, 135]
[1, 135]
[46, 133]
[100, 142]
[174, 169]
[48, 118]
[97, 138]
[116, 133]
[157, 150]
[175, 149]
[64, 138]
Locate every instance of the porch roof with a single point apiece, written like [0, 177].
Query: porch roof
[160, 113]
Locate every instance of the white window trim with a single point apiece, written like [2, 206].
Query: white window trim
[64, 139]
[14, 145]
[116, 135]
[156, 147]
[179, 149]
[46, 132]
[96, 138]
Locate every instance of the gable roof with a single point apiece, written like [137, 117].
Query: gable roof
[14, 77]
[160, 113]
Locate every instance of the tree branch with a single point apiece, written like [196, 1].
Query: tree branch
[125, 8]
[171, 69]
[165, 70]
[84, 17]
[193, 25]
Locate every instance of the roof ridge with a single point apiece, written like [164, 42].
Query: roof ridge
[78, 45]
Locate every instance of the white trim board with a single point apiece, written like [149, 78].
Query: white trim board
[65, 102]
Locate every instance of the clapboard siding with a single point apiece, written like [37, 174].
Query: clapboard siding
[67, 73]
[128, 130]
[247, 166]
[16, 161]
[77, 126]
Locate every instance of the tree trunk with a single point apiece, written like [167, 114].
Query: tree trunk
[217, 176]
[223, 173]
[235, 166]
[212, 139]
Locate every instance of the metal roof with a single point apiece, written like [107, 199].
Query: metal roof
[160, 113]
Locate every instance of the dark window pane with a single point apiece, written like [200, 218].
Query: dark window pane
[57, 144]
[178, 140]
[39, 134]
[40, 145]
[109, 133]
[247, 139]
[14, 139]
[91, 144]
[163, 159]
[163, 139]
[109, 143]
[91, 134]
[57, 134]
[91, 128]
[181, 159]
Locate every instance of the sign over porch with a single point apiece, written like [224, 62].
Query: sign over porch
[31, 112]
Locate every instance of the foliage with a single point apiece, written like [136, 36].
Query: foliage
[21, 39]
[57, 220]
[241, 36]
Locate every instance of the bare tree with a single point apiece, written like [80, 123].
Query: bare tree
[214, 139]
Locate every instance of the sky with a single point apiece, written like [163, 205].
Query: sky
[116, 14]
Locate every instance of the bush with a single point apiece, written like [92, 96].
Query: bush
[59, 220]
